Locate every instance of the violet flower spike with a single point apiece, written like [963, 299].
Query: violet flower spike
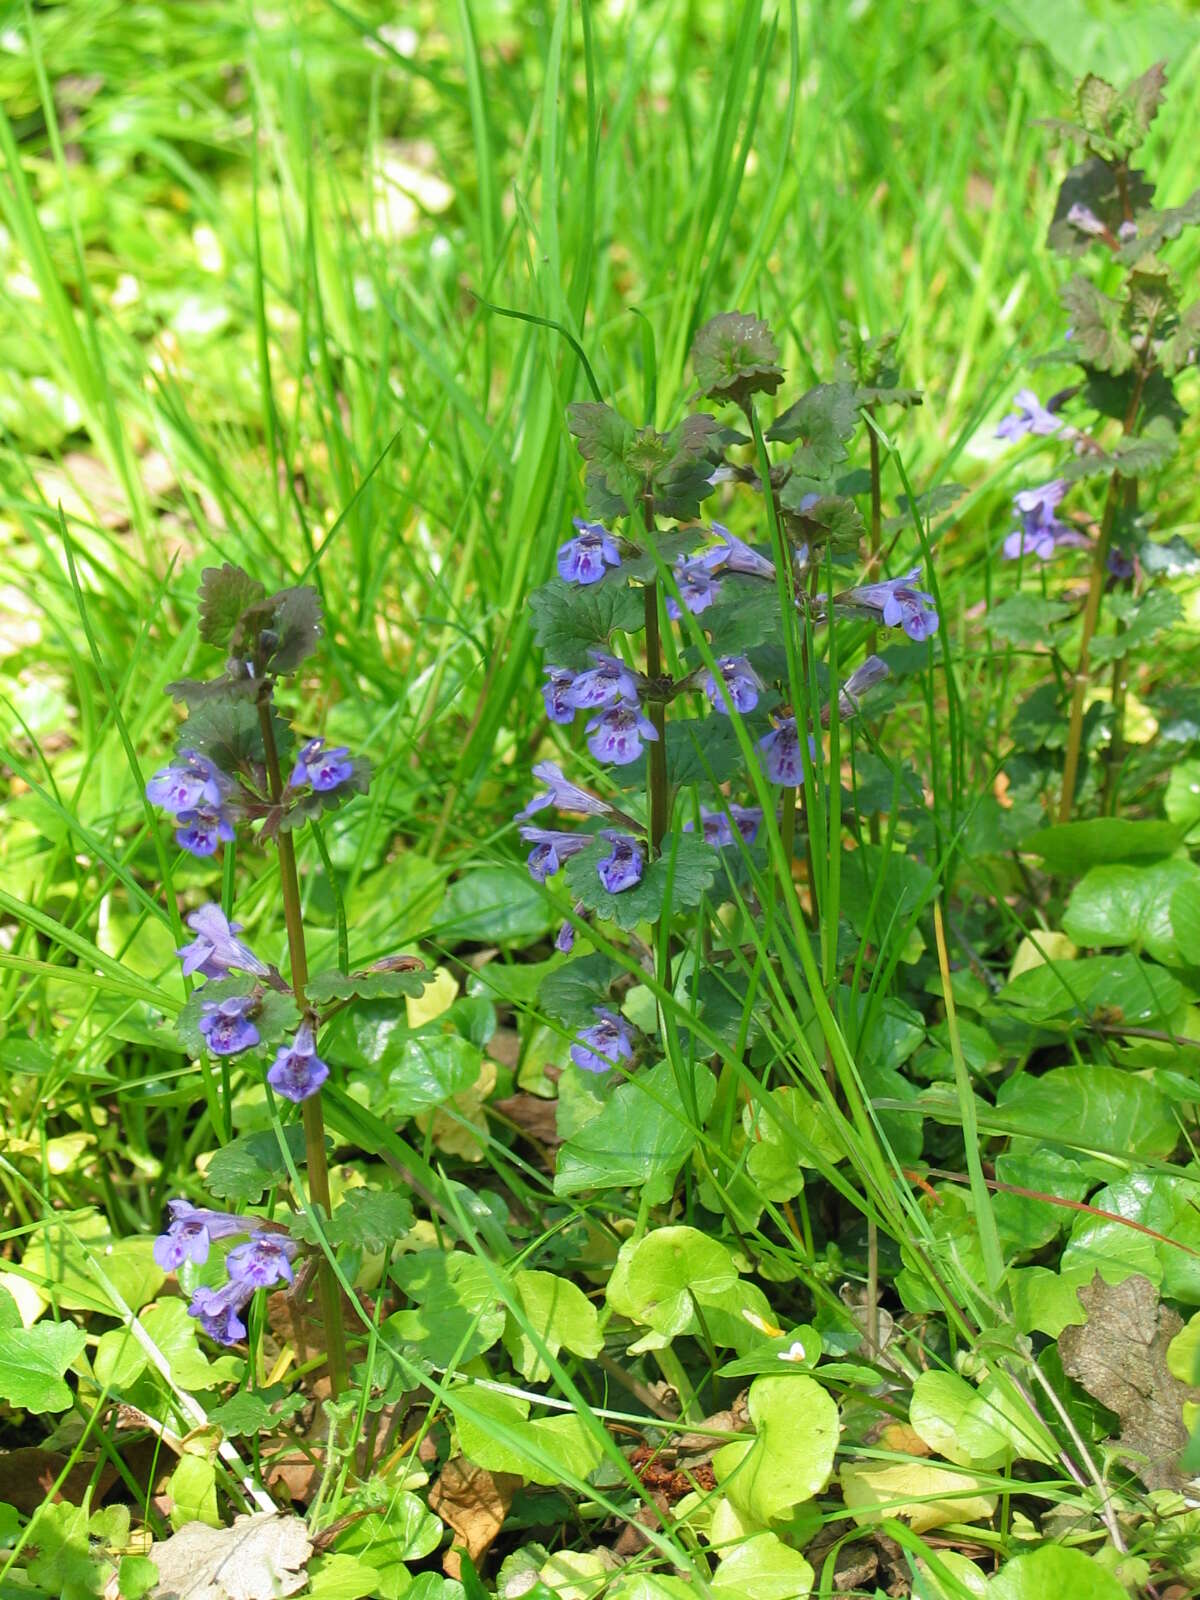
[1041, 532]
[554, 695]
[264, 1260]
[698, 588]
[616, 735]
[605, 1044]
[226, 1025]
[550, 850]
[215, 952]
[584, 558]
[899, 605]
[622, 868]
[738, 556]
[742, 685]
[190, 782]
[191, 1231]
[1030, 417]
[297, 1070]
[202, 828]
[219, 1311]
[561, 794]
[324, 769]
[606, 684]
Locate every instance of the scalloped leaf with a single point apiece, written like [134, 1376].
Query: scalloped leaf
[571, 993]
[734, 356]
[280, 632]
[225, 593]
[822, 420]
[570, 618]
[685, 870]
[326, 986]
[1094, 184]
[1096, 321]
[364, 1219]
[243, 1170]
[276, 1016]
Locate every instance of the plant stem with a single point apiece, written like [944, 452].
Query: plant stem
[314, 1119]
[873, 823]
[656, 764]
[1120, 685]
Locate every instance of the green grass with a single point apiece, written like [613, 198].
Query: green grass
[309, 291]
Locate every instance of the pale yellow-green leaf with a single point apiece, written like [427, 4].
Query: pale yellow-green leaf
[193, 1490]
[790, 1459]
[924, 1494]
[559, 1313]
[763, 1568]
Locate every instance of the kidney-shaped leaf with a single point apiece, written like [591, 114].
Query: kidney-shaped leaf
[790, 1459]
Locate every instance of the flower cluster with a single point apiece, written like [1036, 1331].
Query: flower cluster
[199, 796]
[261, 1261]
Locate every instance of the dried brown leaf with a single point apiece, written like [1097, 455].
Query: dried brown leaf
[1119, 1355]
[260, 1558]
[473, 1504]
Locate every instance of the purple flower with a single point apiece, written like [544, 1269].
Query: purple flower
[566, 796]
[718, 826]
[616, 734]
[1086, 220]
[564, 939]
[622, 868]
[324, 769]
[742, 685]
[697, 586]
[550, 850]
[781, 754]
[583, 558]
[899, 605]
[215, 952]
[219, 1311]
[1041, 533]
[191, 1231]
[265, 1259]
[554, 694]
[297, 1070]
[605, 1044]
[1119, 564]
[1030, 416]
[202, 828]
[738, 556]
[603, 685]
[226, 1024]
[860, 681]
[191, 782]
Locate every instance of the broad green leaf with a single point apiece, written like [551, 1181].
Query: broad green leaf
[822, 420]
[364, 1219]
[1094, 184]
[1164, 1203]
[1046, 1302]
[1143, 620]
[681, 874]
[1025, 618]
[571, 993]
[791, 1457]
[668, 1271]
[785, 1135]
[66, 1565]
[1127, 904]
[976, 1427]
[1125, 986]
[193, 1489]
[642, 1136]
[734, 356]
[454, 1313]
[427, 1070]
[1072, 847]
[408, 1531]
[1097, 1107]
[277, 1014]
[252, 1411]
[569, 619]
[561, 1316]
[245, 1168]
[78, 1261]
[1182, 800]
[120, 1359]
[1096, 324]
[493, 904]
[906, 885]
[340, 1577]
[33, 1361]
[1054, 1573]
[1183, 1352]
[763, 1568]
[495, 1432]
[281, 631]
[225, 592]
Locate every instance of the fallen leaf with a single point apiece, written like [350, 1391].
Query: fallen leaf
[260, 1558]
[1119, 1355]
[28, 1474]
[473, 1504]
[533, 1115]
[924, 1494]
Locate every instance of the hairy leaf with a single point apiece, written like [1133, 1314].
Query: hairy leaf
[225, 592]
[734, 356]
[330, 985]
[244, 1169]
[1096, 321]
[367, 1219]
[570, 619]
[822, 420]
[683, 872]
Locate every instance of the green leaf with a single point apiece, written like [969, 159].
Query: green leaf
[493, 904]
[762, 1567]
[950, 1415]
[408, 1531]
[1094, 184]
[330, 984]
[423, 1070]
[1143, 620]
[65, 1565]
[77, 1261]
[136, 1576]
[226, 729]
[225, 592]
[341, 1577]
[925, 507]
[745, 615]
[245, 1168]
[571, 993]
[1179, 349]
[33, 1361]
[569, 619]
[1026, 618]
[366, 1219]
[822, 420]
[878, 914]
[277, 1014]
[1054, 1573]
[681, 875]
[1096, 322]
[280, 632]
[628, 468]
[832, 519]
[734, 356]
[120, 1360]
[495, 1433]
[251, 1411]
[1182, 801]
[1124, 986]
[1071, 847]
[1097, 1106]
[790, 1459]
[455, 1314]
[642, 1135]
[1167, 1204]
[1129, 904]
[667, 1273]
[561, 1316]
